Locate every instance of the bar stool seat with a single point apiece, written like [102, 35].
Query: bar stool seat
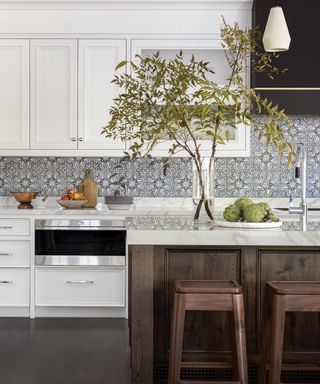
[282, 297]
[208, 295]
[207, 286]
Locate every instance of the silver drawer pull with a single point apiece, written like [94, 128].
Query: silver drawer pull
[6, 254]
[80, 281]
[5, 227]
[6, 282]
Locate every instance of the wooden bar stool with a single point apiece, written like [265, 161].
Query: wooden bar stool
[282, 297]
[208, 295]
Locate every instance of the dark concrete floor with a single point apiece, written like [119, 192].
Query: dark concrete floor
[64, 351]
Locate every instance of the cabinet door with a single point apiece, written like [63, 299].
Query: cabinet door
[209, 51]
[53, 94]
[97, 62]
[75, 287]
[14, 94]
[14, 287]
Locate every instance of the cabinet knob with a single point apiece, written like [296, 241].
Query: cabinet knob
[73, 139]
[81, 139]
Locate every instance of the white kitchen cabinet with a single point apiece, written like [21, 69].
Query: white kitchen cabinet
[53, 94]
[97, 62]
[208, 50]
[14, 287]
[14, 93]
[14, 227]
[15, 263]
[79, 287]
[15, 253]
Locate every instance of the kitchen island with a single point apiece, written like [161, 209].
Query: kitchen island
[165, 249]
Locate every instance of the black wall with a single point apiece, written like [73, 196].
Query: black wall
[302, 59]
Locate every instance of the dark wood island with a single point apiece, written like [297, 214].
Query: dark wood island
[153, 270]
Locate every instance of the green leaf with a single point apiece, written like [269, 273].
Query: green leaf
[121, 64]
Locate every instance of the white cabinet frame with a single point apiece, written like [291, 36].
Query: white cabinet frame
[14, 93]
[240, 146]
[53, 94]
[97, 61]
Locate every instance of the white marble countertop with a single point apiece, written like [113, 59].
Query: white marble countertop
[169, 222]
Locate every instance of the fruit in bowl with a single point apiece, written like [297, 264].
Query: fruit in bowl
[78, 196]
[72, 199]
[70, 192]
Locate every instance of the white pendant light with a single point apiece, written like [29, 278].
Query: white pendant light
[276, 37]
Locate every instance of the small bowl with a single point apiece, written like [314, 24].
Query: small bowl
[72, 204]
[119, 202]
[24, 198]
[120, 207]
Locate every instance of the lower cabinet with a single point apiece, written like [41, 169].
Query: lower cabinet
[14, 287]
[15, 250]
[78, 287]
[15, 253]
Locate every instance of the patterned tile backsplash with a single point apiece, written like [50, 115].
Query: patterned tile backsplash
[262, 174]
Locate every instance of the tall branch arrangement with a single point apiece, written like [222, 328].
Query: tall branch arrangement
[174, 102]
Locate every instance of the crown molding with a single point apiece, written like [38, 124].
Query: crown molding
[124, 4]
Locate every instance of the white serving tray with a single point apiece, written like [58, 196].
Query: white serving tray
[244, 225]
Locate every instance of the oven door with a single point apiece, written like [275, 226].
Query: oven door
[80, 247]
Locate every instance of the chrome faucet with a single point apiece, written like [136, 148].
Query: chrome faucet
[301, 178]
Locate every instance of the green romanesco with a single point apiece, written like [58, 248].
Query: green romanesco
[243, 202]
[266, 206]
[232, 213]
[254, 213]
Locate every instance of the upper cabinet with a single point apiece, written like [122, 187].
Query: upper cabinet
[14, 93]
[74, 47]
[97, 62]
[70, 95]
[53, 94]
[208, 50]
[298, 89]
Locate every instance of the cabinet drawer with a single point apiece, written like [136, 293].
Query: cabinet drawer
[80, 287]
[14, 287]
[14, 253]
[14, 227]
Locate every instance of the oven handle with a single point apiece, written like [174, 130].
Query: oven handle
[84, 260]
[78, 228]
[80, 282]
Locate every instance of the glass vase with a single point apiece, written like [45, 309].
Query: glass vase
[202, 192]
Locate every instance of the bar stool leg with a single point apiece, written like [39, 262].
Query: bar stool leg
[235, 366]
[278, 322]
[240, 338]
[265, 342]
[177, 331]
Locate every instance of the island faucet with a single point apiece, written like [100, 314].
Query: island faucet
[301, 178]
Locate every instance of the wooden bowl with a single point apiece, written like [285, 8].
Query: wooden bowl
[24, 198]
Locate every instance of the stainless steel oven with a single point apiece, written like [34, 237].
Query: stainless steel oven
[80, 242]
